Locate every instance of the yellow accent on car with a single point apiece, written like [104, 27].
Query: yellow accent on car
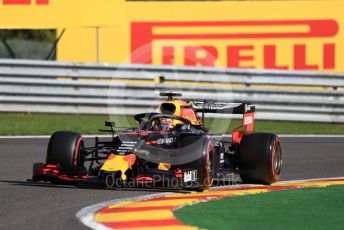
[116, 163]
[164, 166]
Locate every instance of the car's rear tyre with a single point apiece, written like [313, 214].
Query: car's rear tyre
[260, 158]
[64, 150]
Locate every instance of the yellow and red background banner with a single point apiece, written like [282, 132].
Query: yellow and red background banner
[293, 35]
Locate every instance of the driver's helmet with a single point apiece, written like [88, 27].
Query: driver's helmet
[163, 124]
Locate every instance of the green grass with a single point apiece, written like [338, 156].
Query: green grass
[45, 124]
[317, 208]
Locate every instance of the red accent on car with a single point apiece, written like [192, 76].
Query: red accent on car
[142, 133]
[237, 135]
[111, 156]
[76, 151]
[54, 170]
[210, 146]
[73, 178]
[153, 142]
[275, 174]
[248, 121]
[246, 127]
[143, 179]
[51, 169]
[131, 158]
[178, 173]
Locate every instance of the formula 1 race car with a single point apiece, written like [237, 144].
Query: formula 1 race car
[170, 147]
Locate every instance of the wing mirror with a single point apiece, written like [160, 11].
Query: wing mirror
[110, 124]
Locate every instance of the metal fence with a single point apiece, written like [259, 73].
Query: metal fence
[54, 87]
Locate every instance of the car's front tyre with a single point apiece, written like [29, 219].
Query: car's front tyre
[64, 150]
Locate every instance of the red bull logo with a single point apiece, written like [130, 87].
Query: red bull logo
[239, 44]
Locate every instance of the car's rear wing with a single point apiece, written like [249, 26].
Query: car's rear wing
[229, 108]
[222, 107]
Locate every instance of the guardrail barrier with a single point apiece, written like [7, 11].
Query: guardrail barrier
[55, 87]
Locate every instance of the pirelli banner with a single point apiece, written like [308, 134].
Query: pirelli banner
[294, 35]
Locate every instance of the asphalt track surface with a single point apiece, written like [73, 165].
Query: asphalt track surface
[24, 205]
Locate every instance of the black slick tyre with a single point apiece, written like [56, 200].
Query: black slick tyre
[64, 150]
[260, 158]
